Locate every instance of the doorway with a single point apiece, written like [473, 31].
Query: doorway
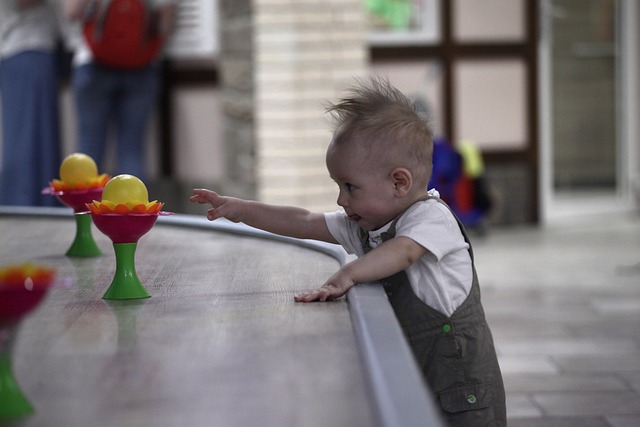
[587, 56]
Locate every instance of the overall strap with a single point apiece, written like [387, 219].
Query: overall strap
[462, 229]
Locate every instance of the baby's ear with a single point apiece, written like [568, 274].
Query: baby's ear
[402, 181]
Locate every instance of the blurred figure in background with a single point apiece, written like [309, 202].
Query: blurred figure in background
[112, 97]
[29, 35]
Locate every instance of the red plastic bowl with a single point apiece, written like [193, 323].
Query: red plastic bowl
[19, 294]
[14, 303]
[124, 228]
[76, 200]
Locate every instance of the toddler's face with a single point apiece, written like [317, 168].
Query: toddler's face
[366, 190]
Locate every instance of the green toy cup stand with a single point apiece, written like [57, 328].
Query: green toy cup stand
[125, 230]
[125, 283]
[13, 402]
[83, 244]
[21, 290]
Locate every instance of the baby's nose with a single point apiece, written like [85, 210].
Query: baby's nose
[342, 200]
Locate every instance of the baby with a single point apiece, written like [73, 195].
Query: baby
[405, 236]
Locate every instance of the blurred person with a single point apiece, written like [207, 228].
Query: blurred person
[29, 35]
[111, 98]
[404, 235]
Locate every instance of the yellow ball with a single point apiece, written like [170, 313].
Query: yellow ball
[123, 189]
[77, 169]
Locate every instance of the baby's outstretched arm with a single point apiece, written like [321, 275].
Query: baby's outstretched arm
[387, 259]
[284, 220]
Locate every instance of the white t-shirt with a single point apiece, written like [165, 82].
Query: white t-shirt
[442, 277]
[28, 28]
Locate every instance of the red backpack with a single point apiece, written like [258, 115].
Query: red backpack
[122, 33]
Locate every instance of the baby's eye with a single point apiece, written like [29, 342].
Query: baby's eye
[349, 187]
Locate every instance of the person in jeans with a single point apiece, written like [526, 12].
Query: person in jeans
[111, 99]
[29, 89]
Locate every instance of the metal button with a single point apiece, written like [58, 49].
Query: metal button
[471, 399]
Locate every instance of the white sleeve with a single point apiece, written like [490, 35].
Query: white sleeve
[344, 231]
[433, 226]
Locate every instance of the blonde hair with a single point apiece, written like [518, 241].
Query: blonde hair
[386, 124]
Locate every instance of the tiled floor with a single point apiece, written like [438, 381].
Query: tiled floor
[564, 305]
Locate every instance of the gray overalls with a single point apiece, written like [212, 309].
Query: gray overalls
[456, 354]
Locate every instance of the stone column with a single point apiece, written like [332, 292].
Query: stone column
[238, 96]
[281, 59]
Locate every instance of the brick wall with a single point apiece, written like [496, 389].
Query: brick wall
[281, 60]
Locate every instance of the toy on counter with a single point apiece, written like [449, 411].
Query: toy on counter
[78, 185]
[125, 214]
[22, 287]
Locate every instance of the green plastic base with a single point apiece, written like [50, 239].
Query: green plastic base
[83, 245]
[13, 403]
[125, 284]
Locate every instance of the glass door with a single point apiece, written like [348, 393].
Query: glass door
[584, 66]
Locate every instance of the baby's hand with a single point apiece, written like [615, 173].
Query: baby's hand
[325, 293]
[223, 207]
[335, 287]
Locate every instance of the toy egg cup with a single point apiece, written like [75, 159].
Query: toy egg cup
[83, 244]
[125, 230]
[17, 298]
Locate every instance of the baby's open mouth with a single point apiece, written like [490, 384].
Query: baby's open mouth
[354, 217]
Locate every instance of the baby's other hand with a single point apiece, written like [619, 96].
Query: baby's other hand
[335, 287]
[325, 293]
[222, 207]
